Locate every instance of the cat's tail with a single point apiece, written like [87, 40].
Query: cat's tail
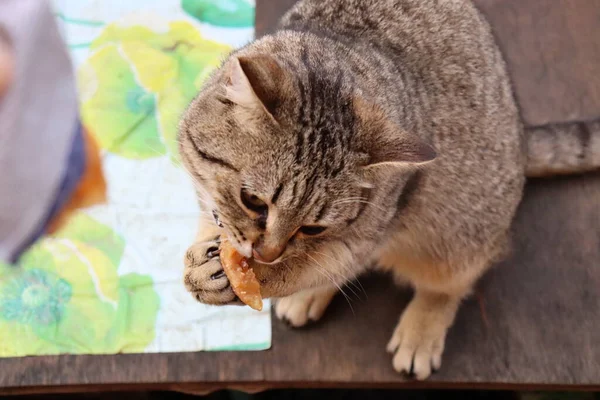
[563, 149]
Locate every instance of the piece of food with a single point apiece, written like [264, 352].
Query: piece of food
[241, 276]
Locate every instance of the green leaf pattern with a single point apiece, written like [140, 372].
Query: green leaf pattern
[225, 13]
[66, 296]
[137, 82]
[89, 289]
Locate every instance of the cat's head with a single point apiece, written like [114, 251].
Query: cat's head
[284, 156]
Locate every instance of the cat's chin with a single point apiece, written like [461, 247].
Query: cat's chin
[276, 261]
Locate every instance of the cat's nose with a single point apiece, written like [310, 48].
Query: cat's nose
[267, 254]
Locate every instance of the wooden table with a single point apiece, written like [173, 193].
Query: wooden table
[537, 321]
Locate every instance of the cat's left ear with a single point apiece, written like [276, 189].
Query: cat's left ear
[387, 145]
[255, 82]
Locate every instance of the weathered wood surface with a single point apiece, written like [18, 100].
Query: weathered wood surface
[540, 324]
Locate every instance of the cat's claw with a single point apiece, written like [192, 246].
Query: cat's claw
[204, 277]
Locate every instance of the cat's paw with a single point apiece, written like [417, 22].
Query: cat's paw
[305, 306]
[204, 277]
[417, 344]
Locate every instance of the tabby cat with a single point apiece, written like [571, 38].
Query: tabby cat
[364, 132]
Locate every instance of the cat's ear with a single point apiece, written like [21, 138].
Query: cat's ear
[255, 82]
[386, 144]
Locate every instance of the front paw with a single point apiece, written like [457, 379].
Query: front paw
[204, 277]
[305, 306]
[418, 341]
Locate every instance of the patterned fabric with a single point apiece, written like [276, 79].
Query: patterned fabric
[111, 280]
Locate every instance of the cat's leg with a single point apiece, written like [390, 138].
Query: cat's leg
[203, 275]
[305, 306]
[418, 340]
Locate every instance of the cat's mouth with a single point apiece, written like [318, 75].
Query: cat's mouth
[244, 249]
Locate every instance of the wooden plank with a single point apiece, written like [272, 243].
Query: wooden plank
[551, 48]
[553, 53]
[542, 308]
[268, 13]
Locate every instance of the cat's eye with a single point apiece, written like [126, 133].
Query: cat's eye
[253, 202]
[311, 230]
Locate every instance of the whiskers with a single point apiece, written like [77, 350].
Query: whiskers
[331, 277]
[356, 285]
